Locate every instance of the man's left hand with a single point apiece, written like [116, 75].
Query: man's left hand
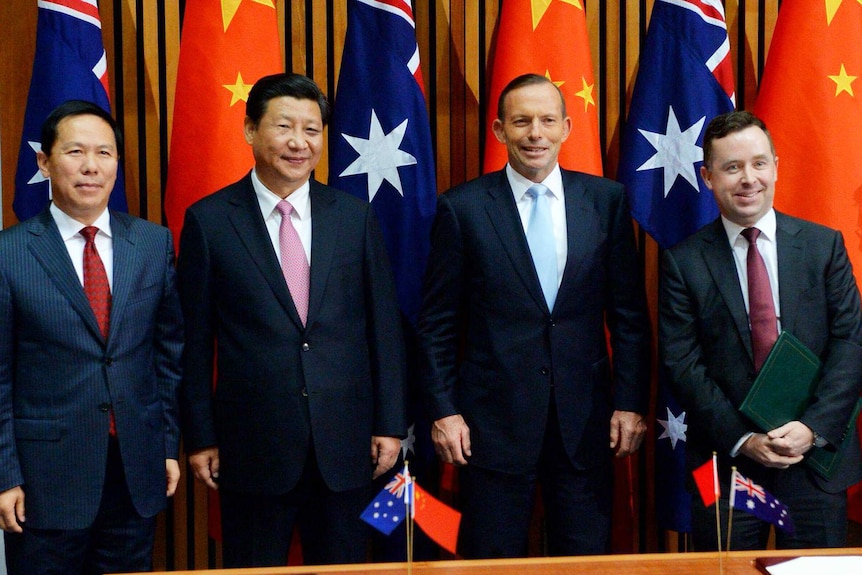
[172, 472]
[791, 439]
[627, 432]
[384, 454]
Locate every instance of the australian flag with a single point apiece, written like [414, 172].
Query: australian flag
[380, 138]
[752, 498]
[390, 507]
[685, 79]
[70, 64]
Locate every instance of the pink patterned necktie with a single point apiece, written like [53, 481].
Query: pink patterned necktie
[98, 291]
[294, 264]
[761, 306]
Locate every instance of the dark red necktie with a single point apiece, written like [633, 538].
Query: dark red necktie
[761, 306]
[97, 288]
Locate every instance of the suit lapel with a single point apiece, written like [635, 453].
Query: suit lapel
[324, 238]
[503, 213]
[791, 255]
[126, 261]
[582, 233]
[48, 248]
[719, 259]
[249, 226]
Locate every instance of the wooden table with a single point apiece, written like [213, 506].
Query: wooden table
[735, 563]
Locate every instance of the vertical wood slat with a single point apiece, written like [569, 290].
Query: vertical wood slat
[454, 37]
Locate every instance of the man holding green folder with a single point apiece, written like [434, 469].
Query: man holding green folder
[726, 294]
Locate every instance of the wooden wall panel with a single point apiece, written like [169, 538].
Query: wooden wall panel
[142, 39]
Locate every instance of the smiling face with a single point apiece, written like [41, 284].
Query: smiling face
[533, 128]
[287, 143]
[82, 165]
[742, 173]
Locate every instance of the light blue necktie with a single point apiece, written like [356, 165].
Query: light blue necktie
[540, 237]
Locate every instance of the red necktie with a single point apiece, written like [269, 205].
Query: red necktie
[97, 288]
[761, 306]
[294, 264]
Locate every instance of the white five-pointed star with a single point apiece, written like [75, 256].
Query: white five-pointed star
[674, 428]
[38, 177]
[675, 151]
[379, 156]
[407, 442]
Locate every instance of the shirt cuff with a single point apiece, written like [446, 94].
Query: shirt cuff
[735, 451]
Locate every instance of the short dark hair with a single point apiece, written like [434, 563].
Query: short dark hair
[520, 82]
[284, 84]
[729, 123]
[71, 108]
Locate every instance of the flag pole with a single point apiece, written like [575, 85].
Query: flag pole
[409, 505]
[717, 492]
[731, 497]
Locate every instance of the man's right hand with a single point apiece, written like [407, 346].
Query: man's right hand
[12, 510]
[205, 464]
[451, 438]
[760, 448]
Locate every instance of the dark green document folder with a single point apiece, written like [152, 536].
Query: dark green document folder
[783, 390]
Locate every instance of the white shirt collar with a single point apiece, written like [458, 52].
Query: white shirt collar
[70, 227]
[520, 184]
[767, 226]
[299, 199]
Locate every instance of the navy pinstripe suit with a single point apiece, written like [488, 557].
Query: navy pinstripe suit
[58, 376]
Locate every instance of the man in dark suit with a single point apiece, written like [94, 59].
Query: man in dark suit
[89, 437]
[711, 354]
[308, 403]
[519, 383]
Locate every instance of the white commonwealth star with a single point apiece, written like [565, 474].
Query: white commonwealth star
[407, 442]
[675, 151]
[37, 177]
[674, 428]
[379, 156]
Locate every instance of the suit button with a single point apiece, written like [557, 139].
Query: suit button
[305, 346]
[109, 361]
[104, 407]
[304, 392]
[544, 371]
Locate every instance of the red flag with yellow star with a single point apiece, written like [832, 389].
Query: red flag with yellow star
[226, 46]
[547, 37]
[811, 101]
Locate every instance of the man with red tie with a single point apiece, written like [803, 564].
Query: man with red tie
[726, 292]
[90, 344]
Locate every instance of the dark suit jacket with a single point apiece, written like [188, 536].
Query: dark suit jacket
[281, 387]
[706, 342]
[58, 376]
[483, 301]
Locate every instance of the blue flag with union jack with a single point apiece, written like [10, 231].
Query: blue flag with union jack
[389, 508]
[380, 138]
[70, 64]
[752, 498]
[684, 80]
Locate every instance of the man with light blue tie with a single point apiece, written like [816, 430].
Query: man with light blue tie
[528, 267]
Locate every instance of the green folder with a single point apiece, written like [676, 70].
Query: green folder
[783, 390]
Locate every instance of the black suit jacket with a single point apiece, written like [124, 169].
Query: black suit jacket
[59, 376]
[706, 341]
[280, 386]
[483, 301]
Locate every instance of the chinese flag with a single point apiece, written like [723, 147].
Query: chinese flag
[706, 479]
[226, 46]
[547, 37]
[810, 101]
[439, 521]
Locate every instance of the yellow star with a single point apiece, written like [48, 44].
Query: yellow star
[832, 7]
[229, 8]
[539, 7]
[587, 94]
[239, 91]
[843, 82]
[557, 84]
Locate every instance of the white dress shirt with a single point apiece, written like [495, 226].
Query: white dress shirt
[300, 217]
[70, 231]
